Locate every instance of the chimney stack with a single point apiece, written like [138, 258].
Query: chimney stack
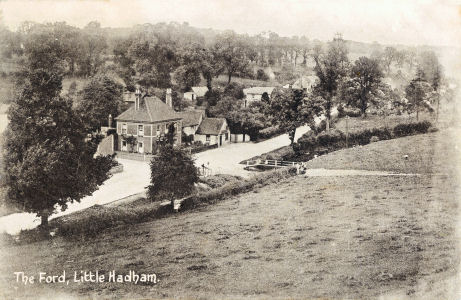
[138, 98]
[169, 98]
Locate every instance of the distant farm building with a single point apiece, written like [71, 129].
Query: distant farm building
[256, 93]
[195, 93]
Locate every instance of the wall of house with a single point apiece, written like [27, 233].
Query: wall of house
[150, 136]
[239, 138]
[214, 139]
[190, 129]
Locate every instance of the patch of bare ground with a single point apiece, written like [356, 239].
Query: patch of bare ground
[308, 237]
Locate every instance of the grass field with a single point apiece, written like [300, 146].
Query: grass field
[308, 237]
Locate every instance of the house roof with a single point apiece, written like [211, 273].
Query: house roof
[200, 91]
[259, 90]
[211, 126]
[191, 118]
[151, 110]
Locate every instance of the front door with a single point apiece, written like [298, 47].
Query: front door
[220, 140]
[124, 146]
[141, 147]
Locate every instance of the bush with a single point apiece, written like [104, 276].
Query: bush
[261, 75]
[269, 132]
[349, 112]
[238, 187]
[411, 128]
[374, 139]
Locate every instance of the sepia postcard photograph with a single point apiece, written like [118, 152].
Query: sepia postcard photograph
[216, 149]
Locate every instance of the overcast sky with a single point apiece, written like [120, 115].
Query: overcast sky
[411, 22]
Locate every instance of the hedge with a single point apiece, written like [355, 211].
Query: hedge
[269, 132]
[336, 139]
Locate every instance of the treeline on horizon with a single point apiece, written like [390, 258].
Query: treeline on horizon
[162, 54]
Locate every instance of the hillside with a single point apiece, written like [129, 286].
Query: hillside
[315, 237]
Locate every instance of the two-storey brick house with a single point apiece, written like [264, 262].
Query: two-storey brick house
[145, 124]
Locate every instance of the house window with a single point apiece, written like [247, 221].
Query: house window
[158, 130]
[166, 128]
[124, 128]
[207, 137]
[140, 130]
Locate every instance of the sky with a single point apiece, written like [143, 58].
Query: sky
[408, 22]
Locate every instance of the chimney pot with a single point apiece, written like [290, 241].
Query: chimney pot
[169, 98]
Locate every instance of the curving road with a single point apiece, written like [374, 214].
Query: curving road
[136, 176]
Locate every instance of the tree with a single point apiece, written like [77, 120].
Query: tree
[291, 108]
[223, 107]
[187, 77]
[234, 90]
[261, 75]
[49, 157]
[416, 93]
[368, 75]
[99, 98]
[173, 175]
[389, 56]
[230, 50]
[431, 71]
[330, 67]
[92, 46]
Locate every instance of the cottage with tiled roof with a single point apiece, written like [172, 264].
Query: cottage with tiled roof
[148, 121]
[213, 131]
[191, 120]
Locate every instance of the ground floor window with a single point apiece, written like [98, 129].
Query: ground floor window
[207, 137]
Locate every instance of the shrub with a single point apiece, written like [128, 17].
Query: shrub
[349, 112]
[411, 128]
[238, 187]
[332, 139]
[374, 139]
[269, 132]
[261, 75]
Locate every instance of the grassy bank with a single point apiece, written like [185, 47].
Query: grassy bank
[92, 221]
[354, 237]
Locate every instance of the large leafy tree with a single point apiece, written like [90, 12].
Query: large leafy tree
[390, 55]
[231, 51]
[100, 97]
[291, 108]
[416, 93]
[173, 174]
[367, 75]
[330, 67]
[49, 157]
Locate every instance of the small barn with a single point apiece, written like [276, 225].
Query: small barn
[213, 131]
